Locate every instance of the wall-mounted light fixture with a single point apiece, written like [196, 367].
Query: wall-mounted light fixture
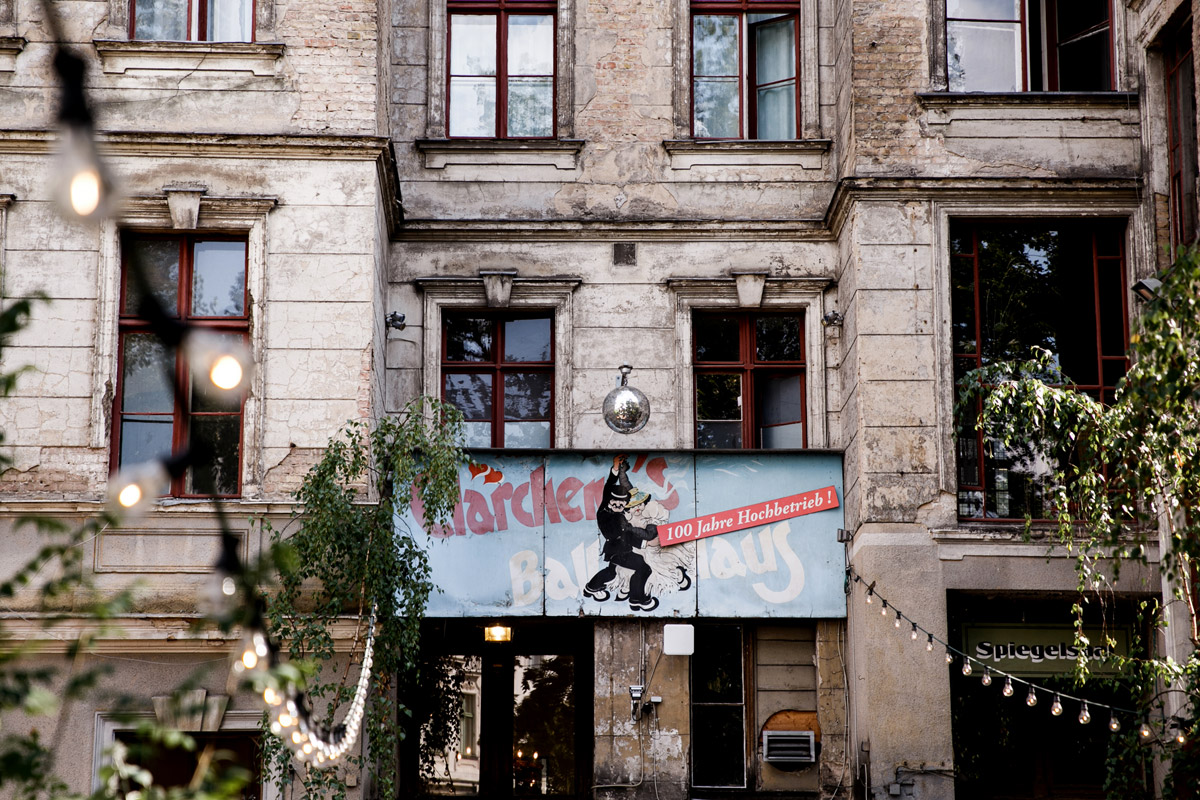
[626, 409]
[395, 320]
[497, 633]
[1147, 289]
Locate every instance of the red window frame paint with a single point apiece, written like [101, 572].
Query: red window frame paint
[1180, 78]
[497, 367]
[746, 77]
[748, 366]
[130, 323]
[502, 10]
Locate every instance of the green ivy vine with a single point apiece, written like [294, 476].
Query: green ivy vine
[347, 552]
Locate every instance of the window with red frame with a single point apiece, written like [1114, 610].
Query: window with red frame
[501, 69]
[1029, 45]
[192, 20]
[749, 374]
[1181, 131]
[498, 369]
[201, 280]
[745, 69]
[1053, 284]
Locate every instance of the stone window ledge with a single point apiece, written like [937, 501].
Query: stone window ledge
[803, 153]
[10, 48]
[1050, 99]
[260, 58]
[557, 153]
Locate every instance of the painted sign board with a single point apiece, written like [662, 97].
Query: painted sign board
[1042, 649]
[566, 533]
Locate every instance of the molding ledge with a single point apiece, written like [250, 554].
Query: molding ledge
[1018, 99]
[561, 154]
[803, 153]
[143, 634]
[10, 48]
[260, 58]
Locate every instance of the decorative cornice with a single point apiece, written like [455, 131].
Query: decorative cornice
[143, 634]
[261, 58]
[440, 153]
[6, 200]
[1011, 99]
[774, 285]
[224, 145]
[642, 230]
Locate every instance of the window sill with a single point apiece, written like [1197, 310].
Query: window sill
[803, 153]
[1052, 99]
[260, 58]
[558, 153]
[10, 48]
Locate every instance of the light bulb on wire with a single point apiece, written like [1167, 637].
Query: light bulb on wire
[966, 668]
[220, 363]
[1085, 716]
[1007, 691]
[949, 656]
[1180, 737]
[1144, 731]
[1114, 724]
[898, 619]
[1031, 698]
[986, 680]
[133, 490]
[929, 644]
[85, 191]
[1056, 706]
[883, 611]
[914, 632]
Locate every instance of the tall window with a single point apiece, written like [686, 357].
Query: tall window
[1058, 285]
[498, 369]
[749, 380]
[1029, 45]
[188, 20]
[1181, 131]
[745, 69]
[501, 68]
[202, 280]
[719, 708]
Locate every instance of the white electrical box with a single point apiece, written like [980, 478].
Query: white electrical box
[679, 640]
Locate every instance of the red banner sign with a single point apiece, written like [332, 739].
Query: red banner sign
[752, 516]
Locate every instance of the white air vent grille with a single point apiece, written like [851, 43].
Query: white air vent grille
[789, 747]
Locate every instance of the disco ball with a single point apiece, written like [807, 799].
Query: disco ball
[626, 409]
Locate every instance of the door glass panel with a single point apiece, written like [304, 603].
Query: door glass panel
[543, 739]
[456, 769]
[718, 698]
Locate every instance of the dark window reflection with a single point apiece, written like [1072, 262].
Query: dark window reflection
[716, 338]
[468, 339]
[718, 708]
[543, 726]
[778, 339]
[527, 339]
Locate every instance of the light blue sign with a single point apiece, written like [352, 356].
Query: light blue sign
[569, 533]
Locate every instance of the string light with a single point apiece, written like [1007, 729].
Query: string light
[1114, 724]
[966, 670]
[929, 644]
[1144, 731]
[1085, 716]
[897, 619]
[883, 611]
[1180, 737]
[986, 680]
[1007, 691]
[914, 632]
[1056, 706]
[949, 656]
[1031, 698]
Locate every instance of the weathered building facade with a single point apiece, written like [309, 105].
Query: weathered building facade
[798, 221]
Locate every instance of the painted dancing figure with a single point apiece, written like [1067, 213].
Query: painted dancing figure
[620, 539]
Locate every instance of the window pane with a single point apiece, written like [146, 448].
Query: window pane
[527, 395]
[718, 434]
[1077, 16]
[531, 44]
[146, 375]
[717, 678]
[716, 338]
[715, 45]
[472, 44]
[526, 434]
[470, 394]
[215, 442]
[780, 399]
[472, 106]
[984, 9]
[206, 396]
[783, 436]
[1084, 65]
[717, 108]
[719, 752]
[477, 434]
[160, 20]
[983, 56]
[718, 397]
[159, 261]
[219, 279]
[543, 719]
[175, 767]
[146, 439]
[775, 51]
[1016, 481]
[962, 297]
[230, 20]
[468, 339]
[527, 339]
[778, 339]
[777, 112]
[530, 107]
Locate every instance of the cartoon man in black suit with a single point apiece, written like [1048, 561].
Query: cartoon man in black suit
[620, 539]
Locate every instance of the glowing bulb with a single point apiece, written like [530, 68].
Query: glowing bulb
[226, 372]
[228, 587]
[249, 659]
[1145, 731]
[271, 697]
[914, 632]
[1031, 698]
[929, 644]
[897, 619]
[986, 680]
[883, 610]
[130, 495]
[870, 595]
[1085, 716]
[966, 666]
[1114, 724]
[518, 754]
[85, 192]
[1007, 691]
[297, 737]
[468, 751]
[949, 657]
[308, 748]
[276, 728]
[1056, 706]
[1180, 738]
[286, 720]
[535, 754]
